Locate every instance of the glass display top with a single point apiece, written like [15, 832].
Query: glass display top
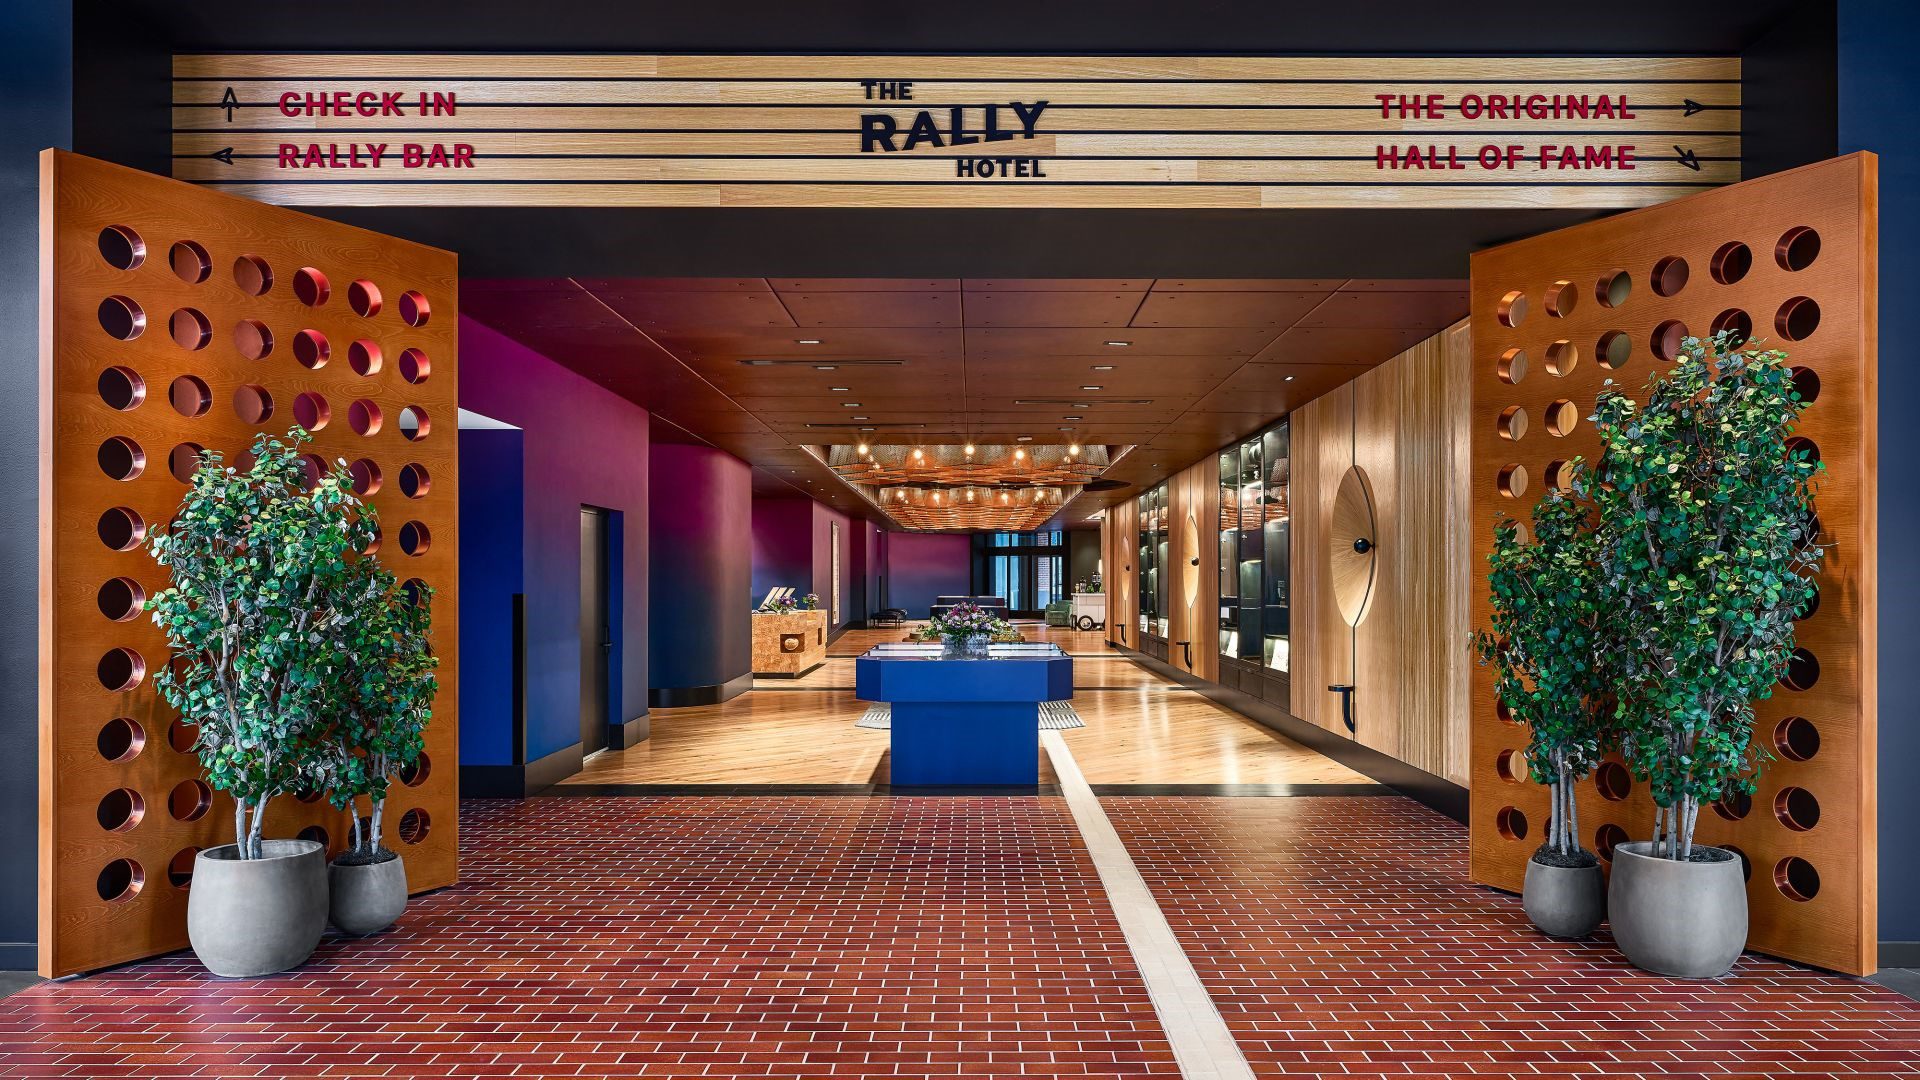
[933, 650]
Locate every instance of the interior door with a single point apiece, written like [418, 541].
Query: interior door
[1793, 256]
[596, 630]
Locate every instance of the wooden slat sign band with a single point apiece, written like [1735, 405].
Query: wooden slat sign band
[960, 131]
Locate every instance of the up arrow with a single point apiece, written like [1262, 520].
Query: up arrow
[1688, 159]
[223, 156]
[229, 102]
[1692, 107]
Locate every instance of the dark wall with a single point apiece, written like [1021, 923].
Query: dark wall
[492, 573]
[36, 71]
[702, 570]
[921, 566]
[1083, 555]
[1789, 92]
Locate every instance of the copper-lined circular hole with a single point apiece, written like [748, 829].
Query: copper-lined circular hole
[1512, 767]
[1562, 357]
[1734, 805]
[1562, 297]
[365, 473]
[189, 800]
[1512, 367]
[190, 329]
[120, 670]
[1614, 349]
[180, 867]
[1736, 324]
[1812, 604]
[313, 469]
[1731, 262]
[1512, 309]
[1512, 424]
[122, 248]
[1796, 879]
[1806, 384]
[252, 338]
[414, 309]
[414, 825]
[1559, 475]
[1804, 449]
[253, 404]
[1668, 339]
[416, 774]
[311, 411]
[1606, 838]
[190, 262]
[363, 356]
[417, 591]
[311, 287]
[1613, 781]
[364, 416]
[1796, 808]
[181, 736]
[120, 810]
[1797, 319]
[121, 318]
[373, 542]
[312, 348]
[1562, 417]
[119, 881]
[1797, 248]
[1613, 288]
[1513, 480]
[184, 460]
[121, 528]
[1512, 823]
[414, 423]
[1796, 738]
[1803, 670]
[120, 739]
[189, 396]
[1670, 276]
[120, 599]
[415, 538]
[121, 458]
[309, 796]
[415, 482]
[315, 833]
[122, 388]
[415, 366]
[253, 275]
[363, 297]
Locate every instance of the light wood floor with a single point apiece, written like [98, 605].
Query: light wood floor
[1141, 729]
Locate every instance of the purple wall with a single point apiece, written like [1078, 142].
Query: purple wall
[702, 572]
[582, 446]
[921, 566]
[782, 545]
[822, 525]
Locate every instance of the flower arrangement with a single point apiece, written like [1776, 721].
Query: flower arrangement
[969, 620]
[809, 602]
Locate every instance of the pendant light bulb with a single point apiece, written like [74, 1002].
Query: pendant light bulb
[969, 449]
[1073, 450]
[863, 449]
[1019, 454]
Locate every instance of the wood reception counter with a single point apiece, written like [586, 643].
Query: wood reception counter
[790, 644]
[964, 721]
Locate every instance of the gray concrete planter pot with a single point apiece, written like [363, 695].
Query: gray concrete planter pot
[368, 897]
[1686, 919]
[1565, 901]
[248, 917]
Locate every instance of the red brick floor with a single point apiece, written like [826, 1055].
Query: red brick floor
[1339, 937]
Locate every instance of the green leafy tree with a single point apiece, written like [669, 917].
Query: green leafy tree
[1547, 644]
[1709, 547]
[256, 559]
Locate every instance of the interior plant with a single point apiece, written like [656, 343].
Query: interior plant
[255, 558]
[1548, 642]
[1708, 550]
[966, 627]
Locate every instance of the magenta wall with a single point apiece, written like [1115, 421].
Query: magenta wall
[782, 545]
[822, 528]
[702, 573]
[921, 566]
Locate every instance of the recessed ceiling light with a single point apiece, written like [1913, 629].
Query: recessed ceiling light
[862, 418]
[1024, 438]
[1066, 429]
[825, 367]
[840, 389]
[1287, 379]
[1103, 367]
[1119, 344]
[806, 341]
[1073, 418]
[864, 428]
[1093, 388]
[849, 404]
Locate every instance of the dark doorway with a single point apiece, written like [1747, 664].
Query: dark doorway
[596, 630]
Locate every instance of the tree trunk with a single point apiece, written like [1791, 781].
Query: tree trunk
[353, 811]
[373, 837]
[240, 827]
[1573, 821]
[259, 822]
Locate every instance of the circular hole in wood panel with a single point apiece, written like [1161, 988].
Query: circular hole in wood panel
[120, 880]
[190, 262]
[121, 318]
[415, 366]
[1613, 781]
[120, 599]
[366, 477]
[317, 834]
[311, 411]
[1731, 262]
[312, 349]
[1562, 297]
[373, 542]
[1812, 604]
[1797, 319]
[415, 538]
[415, 482]
[363, 356]
[1796, 808]
[1614, 349]
[1512, 424]
[252, 338]
[414, 825]
[253, 404]
[121, 528]
[184, 460]
[1562, 417]
[1512, 309]
[416, 774]
[1734, 805]
[190, 329]
[1746, 864]
[1606, 838]
[1562, 357]
[417, 591]
[1512, 367]
[1796, 879]
[1736, 324]
[253, 275]
[120, 670]
[120, 810]
[122, 388]
[1670, 275]
[182, 735]
[121, 458]
[1804, 449]
[1796, 738]
[1803, 670]
[1668, 338]
[313, 468]
[180, 867]
[1504, 714]
[1797, 248]
[122, 248]
[1513, 480]
[1512, 767]
[363, 297]
[189, 396]
[189, 800]
[1806, 384]
[311, 287]
[309, 796]
[364, 416]
[414, 309]
[414, 423]
[1512, 823]
[120, 739]
[1613, 288]
[1559, 475]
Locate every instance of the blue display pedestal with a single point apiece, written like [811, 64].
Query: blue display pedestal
[964, 722]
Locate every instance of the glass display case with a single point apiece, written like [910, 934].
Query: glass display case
[1229, 503]
[1162, 563]
[1275, 529]
[1255, 565]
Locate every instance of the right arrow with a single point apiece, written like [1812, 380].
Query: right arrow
[1688, 159]
[1692, 107]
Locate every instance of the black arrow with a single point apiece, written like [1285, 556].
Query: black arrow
[229, 102]
[1692, 107]
[224, 156]
[1688, 159]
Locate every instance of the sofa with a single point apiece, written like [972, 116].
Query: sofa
[944, 604]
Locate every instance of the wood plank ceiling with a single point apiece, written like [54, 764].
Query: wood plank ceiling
[1174, 367]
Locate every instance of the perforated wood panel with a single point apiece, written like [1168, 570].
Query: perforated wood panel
[174, 318]
[1794, 253]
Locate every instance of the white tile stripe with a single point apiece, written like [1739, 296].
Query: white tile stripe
[1202, 1046]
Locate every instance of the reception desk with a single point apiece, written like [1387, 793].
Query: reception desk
[790, 645]
[964, 722]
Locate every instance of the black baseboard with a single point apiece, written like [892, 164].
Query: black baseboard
[1441, 795]
[520, 781]
[1900, 954]
[789, 674]
[19, 956]
[632, 733]
[681, 697]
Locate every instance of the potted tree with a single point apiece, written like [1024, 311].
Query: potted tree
[383, 683]
[255, 558]
[1709, 547]
[1546, 644]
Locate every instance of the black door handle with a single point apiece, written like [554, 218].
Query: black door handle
[1188, 647]
[1345, 690]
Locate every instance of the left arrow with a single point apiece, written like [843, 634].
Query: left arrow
[229, 102]
[224, 156]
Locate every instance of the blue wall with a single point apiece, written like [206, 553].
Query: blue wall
[492, 569]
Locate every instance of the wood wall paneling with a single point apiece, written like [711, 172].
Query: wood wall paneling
[107, 897]
[1194, 497]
